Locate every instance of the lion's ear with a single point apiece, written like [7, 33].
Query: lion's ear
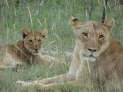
[25, 32]
[75, 22]
[110, 22]
[44, 33]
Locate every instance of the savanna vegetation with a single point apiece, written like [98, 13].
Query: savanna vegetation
[53, 15]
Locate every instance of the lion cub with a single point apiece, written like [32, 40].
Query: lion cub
[25, 50]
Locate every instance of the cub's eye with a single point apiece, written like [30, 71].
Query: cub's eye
[30, 40]
[85, 34]
[101, 36]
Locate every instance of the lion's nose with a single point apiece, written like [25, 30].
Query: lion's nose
[92, 50]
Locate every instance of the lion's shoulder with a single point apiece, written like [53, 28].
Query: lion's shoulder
[115, 47]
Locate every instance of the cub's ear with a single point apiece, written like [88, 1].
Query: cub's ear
[110, 22]
[25, 32]
[44, 33]
[75, 22]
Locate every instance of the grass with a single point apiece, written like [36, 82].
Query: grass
[53, 15]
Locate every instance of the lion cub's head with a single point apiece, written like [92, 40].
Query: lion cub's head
[93, 37]
[33, 40]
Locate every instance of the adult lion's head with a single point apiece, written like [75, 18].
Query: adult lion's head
[93, 37]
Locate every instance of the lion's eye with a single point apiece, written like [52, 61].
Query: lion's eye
[101, 36]
[43, 36]
[30, 40]
[85, 34]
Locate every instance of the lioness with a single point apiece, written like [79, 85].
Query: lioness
[25, 50]
[94, 43]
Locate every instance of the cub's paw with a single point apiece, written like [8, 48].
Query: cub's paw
[61, 60]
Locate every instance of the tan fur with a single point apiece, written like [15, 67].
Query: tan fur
[25, 51]
[94, 43]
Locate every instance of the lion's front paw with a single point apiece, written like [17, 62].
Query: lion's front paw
[29, 83]
[24, 83]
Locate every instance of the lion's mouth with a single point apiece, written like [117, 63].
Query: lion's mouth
[90, 57]
[35, 52]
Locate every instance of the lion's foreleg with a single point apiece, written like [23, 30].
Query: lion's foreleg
[46, 58]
